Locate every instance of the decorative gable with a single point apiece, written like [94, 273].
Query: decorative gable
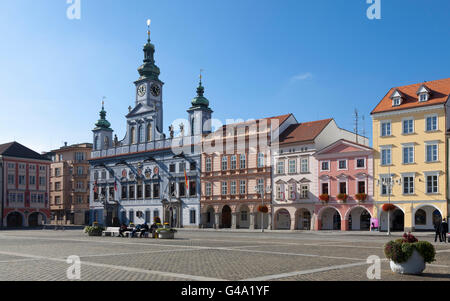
[423, 93]
[397, 98]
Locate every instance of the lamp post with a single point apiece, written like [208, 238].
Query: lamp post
[389, 184]
[262, 191]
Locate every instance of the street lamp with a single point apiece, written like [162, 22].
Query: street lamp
[261, 190]
[389, 184]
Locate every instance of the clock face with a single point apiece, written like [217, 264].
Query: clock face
[155, 89]
[142, 90]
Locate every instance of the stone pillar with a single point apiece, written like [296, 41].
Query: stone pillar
[293, 223]
[216, 220]
[269, 227]
[318, 224]
[344, 225]
[252, 221]
[233, 220]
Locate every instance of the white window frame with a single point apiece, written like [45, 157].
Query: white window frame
[388, 187]
[208, 188]
[426, 123]
[382, 148]
[304, 193]
[356, 163]
[242, 187]
[224, 162]
[304, 161]
[404, 146]
[390, 128]
[431, 143]
[283, 167]
[431, 174]
[208, 164]
[403, 125]
[325, 161]
[339, 186]
[396, 101]
[224, 186]
[289, 166]
[233, 162]
[408, 175]
[321, 186]
[260, 159]
[427, 97]
[233, 188]
[346, 164]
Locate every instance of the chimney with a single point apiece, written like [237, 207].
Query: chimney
[65, 144]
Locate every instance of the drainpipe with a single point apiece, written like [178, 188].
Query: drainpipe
[1, 190]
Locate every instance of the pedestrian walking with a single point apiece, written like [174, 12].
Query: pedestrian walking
[444, 230]
[437, 231]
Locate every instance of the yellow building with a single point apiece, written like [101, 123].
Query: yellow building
[410, 161]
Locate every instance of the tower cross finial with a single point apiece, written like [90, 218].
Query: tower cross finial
[148, 28]
[103, 102]
[201, 76]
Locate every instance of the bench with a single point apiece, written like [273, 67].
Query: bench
[137, 234]
[111, 231]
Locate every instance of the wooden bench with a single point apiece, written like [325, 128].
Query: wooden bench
[137, 234]
[111, 231]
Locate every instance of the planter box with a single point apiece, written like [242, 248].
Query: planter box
[166, 235]
[414, 265]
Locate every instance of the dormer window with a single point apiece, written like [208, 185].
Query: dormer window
[396, 101]
[423, 97]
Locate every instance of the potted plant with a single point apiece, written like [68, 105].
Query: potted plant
[361, 197]
[388, 207]
[324, 197]
[263, 209]
[94, 230]
[408, 255]
[165, 232]
[342, 197]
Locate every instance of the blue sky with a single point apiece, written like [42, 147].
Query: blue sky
[316, 59]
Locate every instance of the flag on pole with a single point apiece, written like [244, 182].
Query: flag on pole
[95, 186]
[186, 180]
[115, 185]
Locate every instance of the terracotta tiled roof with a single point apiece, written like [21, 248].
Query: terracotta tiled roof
[303, 132]
[281, 119]
[440, 91]
[17, 150]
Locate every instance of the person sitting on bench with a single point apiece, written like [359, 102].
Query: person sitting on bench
[123, 228]
[136, 229]
[144, 229]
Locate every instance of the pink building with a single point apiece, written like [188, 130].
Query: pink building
[345, 181]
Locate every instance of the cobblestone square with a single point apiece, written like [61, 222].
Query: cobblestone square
[40, 255]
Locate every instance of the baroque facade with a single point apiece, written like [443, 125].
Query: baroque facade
[410, 162]
[143, 176]
[24, 186]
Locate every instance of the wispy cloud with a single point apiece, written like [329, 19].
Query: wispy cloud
[302, 76]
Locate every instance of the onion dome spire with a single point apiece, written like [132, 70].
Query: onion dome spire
[102, 123]
[149, 69]
[200, 100]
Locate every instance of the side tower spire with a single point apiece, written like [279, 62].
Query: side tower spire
[200, 112]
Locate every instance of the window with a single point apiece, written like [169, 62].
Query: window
[57, 186]
[260, 160]
[155, 213]
[133, 135]
[172, 189]
[386, 185]
[233, 188]
[79, 156]
[423, 97]
[131, 216]
[431, 123]
[361, 163]
[141, 134]
[11, 165]
[149, 132]
[304, 168]
[342, 164]
[292, 166]
[192, 216]
[292, 194]
[408, 126]
[11, 179]
[396, 101]
[304, 190]
[139, 191]
[156, 190]
[325, 188]
[79, 185]
[233, 162]
[408, 185]
[431, 152]
[193, 166]
[260, 185]
[57, 172]
[42, 181]
[208, 165]
[172, 168]
[21, 180]
[224, 188]
[224, 163]
[182, 189]
[242, 163]
[148, 191]
[181, 167]
[408, 154]
[386, 156]
[361, 186]
[32, 167]
[192, 188]
[131, 192]
[280, 167]
[385, 128]
[432, 184]
[343, 187]
[244, 215]
[124, 192]
[147, 216]
[325, 165]
[242, 187]
[278, 193]
[208, 189]
[420, 217]
[57, 200]
[80, 170]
